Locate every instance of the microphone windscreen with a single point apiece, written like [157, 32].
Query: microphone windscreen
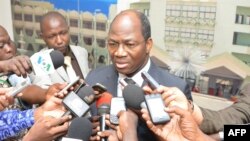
[80, 128]
[105, 98]
[57, 58]
[85, 91]
[133, 96]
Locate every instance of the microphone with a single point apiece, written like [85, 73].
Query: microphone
[133, 97]
[105, 98]
[80, 129]
[44, 62]
[103, 108]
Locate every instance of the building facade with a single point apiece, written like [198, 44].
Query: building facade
[88, 30]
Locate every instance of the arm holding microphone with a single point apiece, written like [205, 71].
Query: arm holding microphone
[181, 127]
[103, 108]
[190, 115]
[16, 119]
[173, 96]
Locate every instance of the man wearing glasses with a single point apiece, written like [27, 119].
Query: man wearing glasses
[129, 43]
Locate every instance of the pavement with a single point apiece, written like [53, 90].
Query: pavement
[210, 102]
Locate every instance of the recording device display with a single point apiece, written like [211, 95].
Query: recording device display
[70, 84]
[150, 80]
[75, 104]
[117, 105]
[16, 90]
[155, 107]
[100, 88]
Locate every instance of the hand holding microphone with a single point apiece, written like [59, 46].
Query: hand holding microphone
[47, 129]
[20, 65]
[43, 62]
[103, 107]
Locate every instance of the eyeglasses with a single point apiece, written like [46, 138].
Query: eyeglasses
[126, 45]
[10, 43]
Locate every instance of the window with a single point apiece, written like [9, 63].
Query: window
[29, 32]
[38, 18]
[73, 22]
[30, 47]
[88, 40]
[248, 20]
[87, 24]
[74, 38]
[18, 16]
[241, 39]
[101, 43]
[18, 30]
[101, 26]
[28, 18]
[38, 33]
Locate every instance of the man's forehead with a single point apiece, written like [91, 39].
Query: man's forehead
[3, 32]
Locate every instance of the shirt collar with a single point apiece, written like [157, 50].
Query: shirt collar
[137, 77]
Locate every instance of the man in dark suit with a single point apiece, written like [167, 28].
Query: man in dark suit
[129, 44]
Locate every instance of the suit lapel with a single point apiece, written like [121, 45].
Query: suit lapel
[152, 72]
[63, 74]
[80, 54]
[111, 81]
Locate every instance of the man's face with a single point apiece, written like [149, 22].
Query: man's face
[7, 46]
[128, 49]
[55, 33]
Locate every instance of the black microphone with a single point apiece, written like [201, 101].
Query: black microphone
[133, 97]
[103, 108]
[80, 129]
[57, 58]
[38, 65]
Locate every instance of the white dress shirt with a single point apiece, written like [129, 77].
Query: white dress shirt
[137, 78]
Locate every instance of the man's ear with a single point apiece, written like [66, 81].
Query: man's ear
[149, 44]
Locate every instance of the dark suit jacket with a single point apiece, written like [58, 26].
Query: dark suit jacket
[108, 76]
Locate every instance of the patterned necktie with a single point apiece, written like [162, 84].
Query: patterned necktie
[69, 69]
[130, 81]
